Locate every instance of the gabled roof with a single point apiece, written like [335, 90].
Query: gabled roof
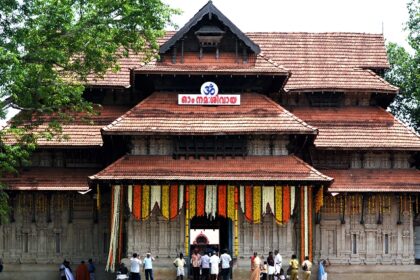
[374, 180]
[50, 179]
[358, 128]
[209, 10]
[161, 114]
[78, 133]
[251, 168]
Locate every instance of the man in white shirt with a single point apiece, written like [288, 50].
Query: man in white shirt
[214, 262]
[277, 264]
[148, 267]
[135, 264]
[179, 263]
[226, 262]
[205, 267]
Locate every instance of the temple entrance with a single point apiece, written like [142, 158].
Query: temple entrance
[211, 235]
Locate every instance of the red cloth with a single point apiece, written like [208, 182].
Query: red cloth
[82, 272]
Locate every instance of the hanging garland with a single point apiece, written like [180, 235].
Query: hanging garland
[221, 211]
[130, 197]
[187, 220]
[286, 204]
[211, 201]
[242, 197]
[145, 211]
[257, 204]
[279, 205]
[248, 204]
[302, 224]
[201, 191]
[115, 216]
[231, 202]
[181, 197]
[292, 199]
[319, 199]
[155, 197]
[310, 215]
[174, 207]
[165, 201]
[137, 202]
[268, 199]
[192, 200]
[236, 231]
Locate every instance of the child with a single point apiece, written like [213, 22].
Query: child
[282, 276]
[264, 271]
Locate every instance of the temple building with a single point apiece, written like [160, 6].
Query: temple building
[246, 141]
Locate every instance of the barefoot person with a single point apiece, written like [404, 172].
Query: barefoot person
[256, 267]
[179, 263]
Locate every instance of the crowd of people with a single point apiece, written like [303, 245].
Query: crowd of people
[83, 271]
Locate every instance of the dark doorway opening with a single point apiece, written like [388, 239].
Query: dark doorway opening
[224, 225]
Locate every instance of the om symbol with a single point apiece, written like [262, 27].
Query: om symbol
[209, 89]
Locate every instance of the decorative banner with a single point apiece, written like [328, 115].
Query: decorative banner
[235, 221]
[209, 96]
[231, 202]
[174, 201]
[165, 201]
[257, 204]
[130, 197]
[221, 211]
[242, 198]
[248, 204]
[187, 220]
[279, 205]
[310, 221]
[286, 204]
[292, 199]
[137, 202]
[201, 191]
[115, 228]
[181, 197]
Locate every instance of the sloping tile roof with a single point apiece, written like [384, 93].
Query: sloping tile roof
[350, 128]
[317, 61]
[160, 114]
[328, 61]
[252, 168]
[50, 179]
[80, 133]
[374, 180]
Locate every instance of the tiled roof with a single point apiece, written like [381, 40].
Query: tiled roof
[50, 179]
[80, 133]
[328, 61]
[160, 114]
[374, 180]
[252, 168]
[317, 61]
[349, 128]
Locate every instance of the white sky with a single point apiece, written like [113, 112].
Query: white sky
[368, 16]
[365, 16]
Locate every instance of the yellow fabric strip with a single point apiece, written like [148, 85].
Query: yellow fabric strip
[231, 202]
[145, 210]
[257, 204]
[165, 201]
[192, 202]
[279, 204]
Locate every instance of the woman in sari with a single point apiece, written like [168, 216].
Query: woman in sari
[256, 268]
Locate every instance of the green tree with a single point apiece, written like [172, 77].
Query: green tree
[48, 48]
[405, 71]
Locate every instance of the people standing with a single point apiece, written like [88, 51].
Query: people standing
[277, 264]
[214, 266]
[264, 271]
[322, 274]
[256, 267]
[1, 265]
[179, 263]
[91, 269]
[294, 268]
[306, 267]
[82, 272]
[196, 263]
[226, 261]
[148, 267]
[135, 264]
[62, 271]
[205, 267]
[67, 271]
[270, 264]
[252, 261]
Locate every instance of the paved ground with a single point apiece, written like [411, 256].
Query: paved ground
[346, 272]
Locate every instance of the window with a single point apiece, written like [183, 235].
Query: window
[325, 99]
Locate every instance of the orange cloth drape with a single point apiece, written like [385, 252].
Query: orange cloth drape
[137, 202]
[201, 195]
[173, 201]
[286, 204]
[248, 203]
[221, 209]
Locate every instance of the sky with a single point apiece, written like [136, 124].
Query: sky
[367, 16]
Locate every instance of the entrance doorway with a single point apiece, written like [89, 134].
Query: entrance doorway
[220, 224]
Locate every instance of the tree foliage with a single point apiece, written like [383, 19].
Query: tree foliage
[405, 71]
[48, 48]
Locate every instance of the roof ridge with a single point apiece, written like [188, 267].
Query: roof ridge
[272, 62]
[302, 122]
